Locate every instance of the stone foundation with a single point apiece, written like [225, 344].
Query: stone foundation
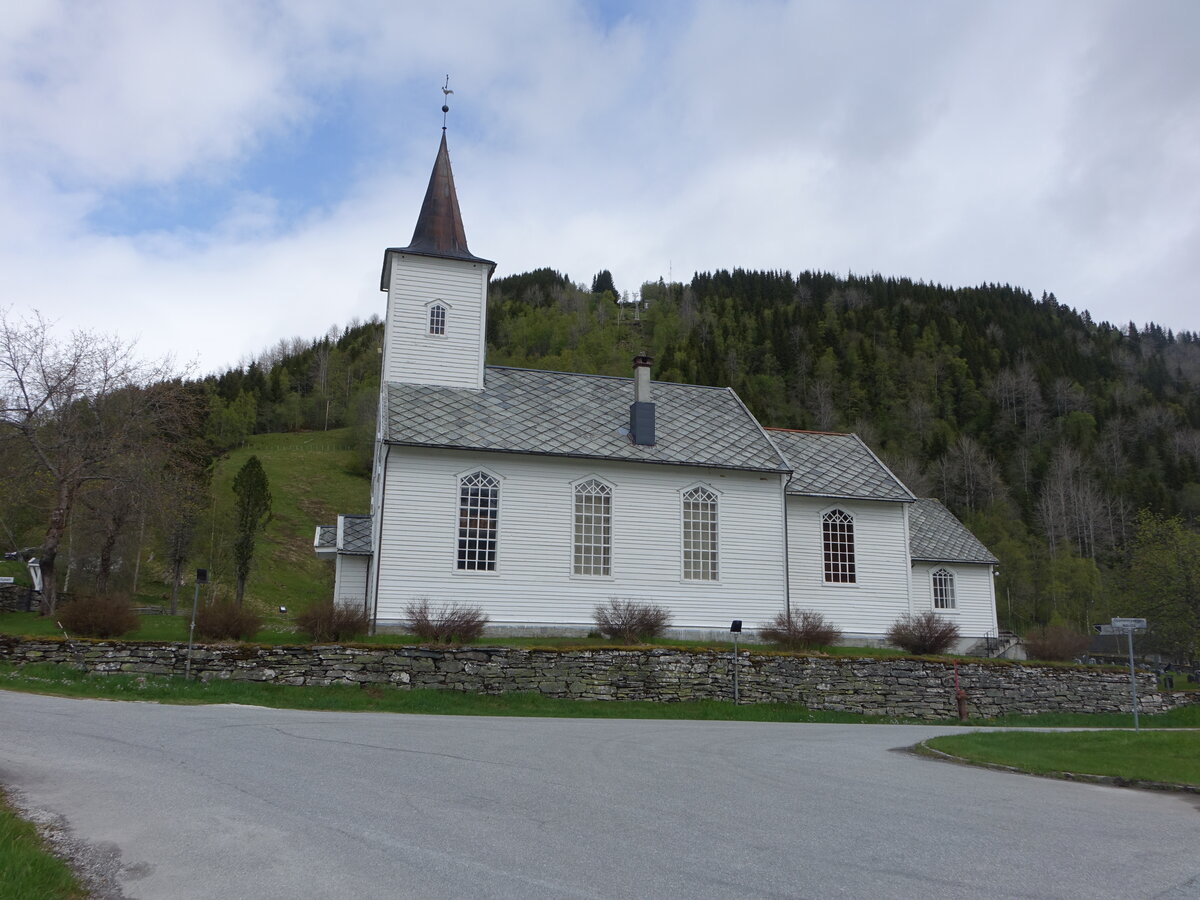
[895, 686]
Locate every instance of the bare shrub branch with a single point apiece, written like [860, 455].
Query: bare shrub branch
[451, 623]
[330, 621]
[631, 621]
[804, 629]
[923, 634]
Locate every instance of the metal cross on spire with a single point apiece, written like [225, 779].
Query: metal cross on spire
[446, 92]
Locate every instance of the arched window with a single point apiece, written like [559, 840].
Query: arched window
[437, 319]
[478, 517]
[700, 535]
[837, 534]
[943, 589]
[593, 528]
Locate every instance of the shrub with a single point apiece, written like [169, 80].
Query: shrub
[631, 621]
[923, 634]
[804, 629]
[329, 621]
[221, 620]
[102, 617]
[1056, 642]
[452, 622]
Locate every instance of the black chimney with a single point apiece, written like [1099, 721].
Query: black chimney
[641, 411]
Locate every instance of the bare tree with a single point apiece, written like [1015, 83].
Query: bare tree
[77, 405]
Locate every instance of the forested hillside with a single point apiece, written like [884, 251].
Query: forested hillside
[1072, 448]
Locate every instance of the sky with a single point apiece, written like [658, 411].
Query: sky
[206, 177]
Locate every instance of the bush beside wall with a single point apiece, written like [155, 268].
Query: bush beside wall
[907, 687]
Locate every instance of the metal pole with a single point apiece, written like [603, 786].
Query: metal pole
[1133, 681]
[187, 669]
[735, 670]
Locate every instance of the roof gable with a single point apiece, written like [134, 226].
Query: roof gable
[565, 414]
[836, 465]
[936, 535]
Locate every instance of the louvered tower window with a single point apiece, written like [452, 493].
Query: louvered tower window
[837, 533]
[478, 517]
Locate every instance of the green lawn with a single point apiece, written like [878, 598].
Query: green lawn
[1172, 757]
[310, 484]
[278, 629]
[27, 869]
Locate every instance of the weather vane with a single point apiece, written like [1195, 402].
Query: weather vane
[446, 92]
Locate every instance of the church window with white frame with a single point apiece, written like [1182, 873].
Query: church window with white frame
[943, 589]
[437, 319]
[837, 536]
[478, 520]
[699, 535]
[593, 528]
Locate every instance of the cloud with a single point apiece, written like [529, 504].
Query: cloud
[259, 157]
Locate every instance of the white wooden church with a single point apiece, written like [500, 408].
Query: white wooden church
[538, 495]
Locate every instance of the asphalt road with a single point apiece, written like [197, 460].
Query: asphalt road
[239, 802]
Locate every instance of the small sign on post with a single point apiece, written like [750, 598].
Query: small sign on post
[1128, 626]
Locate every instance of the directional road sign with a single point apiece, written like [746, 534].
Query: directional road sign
[1106, 629]
[1128, 623]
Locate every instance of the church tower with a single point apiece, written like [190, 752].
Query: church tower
[437, 295]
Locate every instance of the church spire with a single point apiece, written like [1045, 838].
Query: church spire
[439, 230]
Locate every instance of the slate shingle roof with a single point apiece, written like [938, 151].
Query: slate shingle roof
[356, 534]
[935, 535]
[326, 537]
[564, 414]
[836, 465]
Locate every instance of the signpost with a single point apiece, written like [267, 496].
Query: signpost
[1126, 626]
[201, 578]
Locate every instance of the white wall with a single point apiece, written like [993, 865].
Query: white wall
[534, 584]
[411, 353]
[974, 594]
[881, 592]
[350, 580]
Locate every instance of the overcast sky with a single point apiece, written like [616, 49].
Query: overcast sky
[209, 177]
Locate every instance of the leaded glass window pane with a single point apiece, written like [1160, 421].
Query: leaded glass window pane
[837, 533]
[478, 518]
[437, 319]
[943, 589]
[700, 535]
[593, 528]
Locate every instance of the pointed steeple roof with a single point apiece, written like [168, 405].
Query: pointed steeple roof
[439, 230]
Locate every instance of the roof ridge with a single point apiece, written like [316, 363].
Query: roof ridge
[710, 387]
[810, 431]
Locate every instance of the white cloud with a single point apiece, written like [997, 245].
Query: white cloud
[1047, 145]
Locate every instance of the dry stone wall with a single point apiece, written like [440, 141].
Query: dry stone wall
[907, 687]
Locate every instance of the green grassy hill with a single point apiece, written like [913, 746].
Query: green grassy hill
[310, 484]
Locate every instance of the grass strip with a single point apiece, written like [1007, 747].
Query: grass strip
[63, 680]
[28, 871]
[1158, 756]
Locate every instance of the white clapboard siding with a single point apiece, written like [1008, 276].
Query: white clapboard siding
[881, 591]
[412, 354]
[974, 595]
[534, 584]
[350, 580]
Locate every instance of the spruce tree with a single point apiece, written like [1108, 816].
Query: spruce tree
[253, 512]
